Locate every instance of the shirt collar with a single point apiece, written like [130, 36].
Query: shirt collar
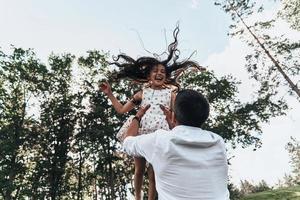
[184, 127]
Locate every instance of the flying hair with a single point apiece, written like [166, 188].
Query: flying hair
[139, 69]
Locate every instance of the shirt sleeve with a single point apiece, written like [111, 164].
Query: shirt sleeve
[141, 146]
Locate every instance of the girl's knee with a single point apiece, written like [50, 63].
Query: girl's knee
[139, 166]
[151, 177]
[139, 171]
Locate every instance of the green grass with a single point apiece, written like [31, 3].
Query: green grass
[278, 194]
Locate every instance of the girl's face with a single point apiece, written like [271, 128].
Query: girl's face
[157, 76]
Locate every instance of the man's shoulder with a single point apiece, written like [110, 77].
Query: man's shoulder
[192, 129]
[216, 136]
[219, 141]
[195, 135]
[213, 134]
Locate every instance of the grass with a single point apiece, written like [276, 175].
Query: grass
[291, 193]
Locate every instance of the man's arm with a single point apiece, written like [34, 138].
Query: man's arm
[142, 145]
[134, 126]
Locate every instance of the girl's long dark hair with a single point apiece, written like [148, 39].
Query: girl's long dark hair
[139, 70]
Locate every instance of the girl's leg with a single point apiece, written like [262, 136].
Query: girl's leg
[139, 170]
[152, 189]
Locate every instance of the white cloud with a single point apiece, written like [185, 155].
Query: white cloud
[195, 4]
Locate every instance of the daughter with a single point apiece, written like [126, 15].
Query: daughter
[159, 77]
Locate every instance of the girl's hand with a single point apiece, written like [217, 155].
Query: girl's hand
[105, 88]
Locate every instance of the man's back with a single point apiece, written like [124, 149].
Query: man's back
[190, 163]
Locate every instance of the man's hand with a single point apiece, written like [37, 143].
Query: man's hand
[169, 115]
[140, 113]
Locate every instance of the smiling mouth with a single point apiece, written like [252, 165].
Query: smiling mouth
[159, 78]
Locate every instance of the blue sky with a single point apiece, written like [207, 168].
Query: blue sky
[76, 26]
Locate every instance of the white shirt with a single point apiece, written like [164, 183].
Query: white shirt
[189, 163]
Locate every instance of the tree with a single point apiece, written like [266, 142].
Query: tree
[291, 13]
[235, 193]
[262, 186]
[247, 187]
[58, 120]
[293, 148]
[21, 77]
[274, 61]
[110, 173]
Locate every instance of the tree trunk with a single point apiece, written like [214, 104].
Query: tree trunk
[275, 62]
[79, 188]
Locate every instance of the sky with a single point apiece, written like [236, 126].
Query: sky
[76, 26]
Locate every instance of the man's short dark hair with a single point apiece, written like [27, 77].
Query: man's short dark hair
[191, 108]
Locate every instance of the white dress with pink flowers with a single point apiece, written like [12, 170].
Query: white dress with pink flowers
[154, 118]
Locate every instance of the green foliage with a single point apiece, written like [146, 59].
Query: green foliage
[20, 77]
[235, 193]
[247, 188]
[57, 121]
[111, 170]
[291, 13]
[293, 148]
[279, 194]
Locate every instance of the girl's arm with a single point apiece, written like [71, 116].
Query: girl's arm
[119, 107]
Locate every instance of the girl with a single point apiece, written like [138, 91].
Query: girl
[159, 77]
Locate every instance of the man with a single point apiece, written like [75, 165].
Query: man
[189, 162]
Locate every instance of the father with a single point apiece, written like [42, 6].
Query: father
[189, 162]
